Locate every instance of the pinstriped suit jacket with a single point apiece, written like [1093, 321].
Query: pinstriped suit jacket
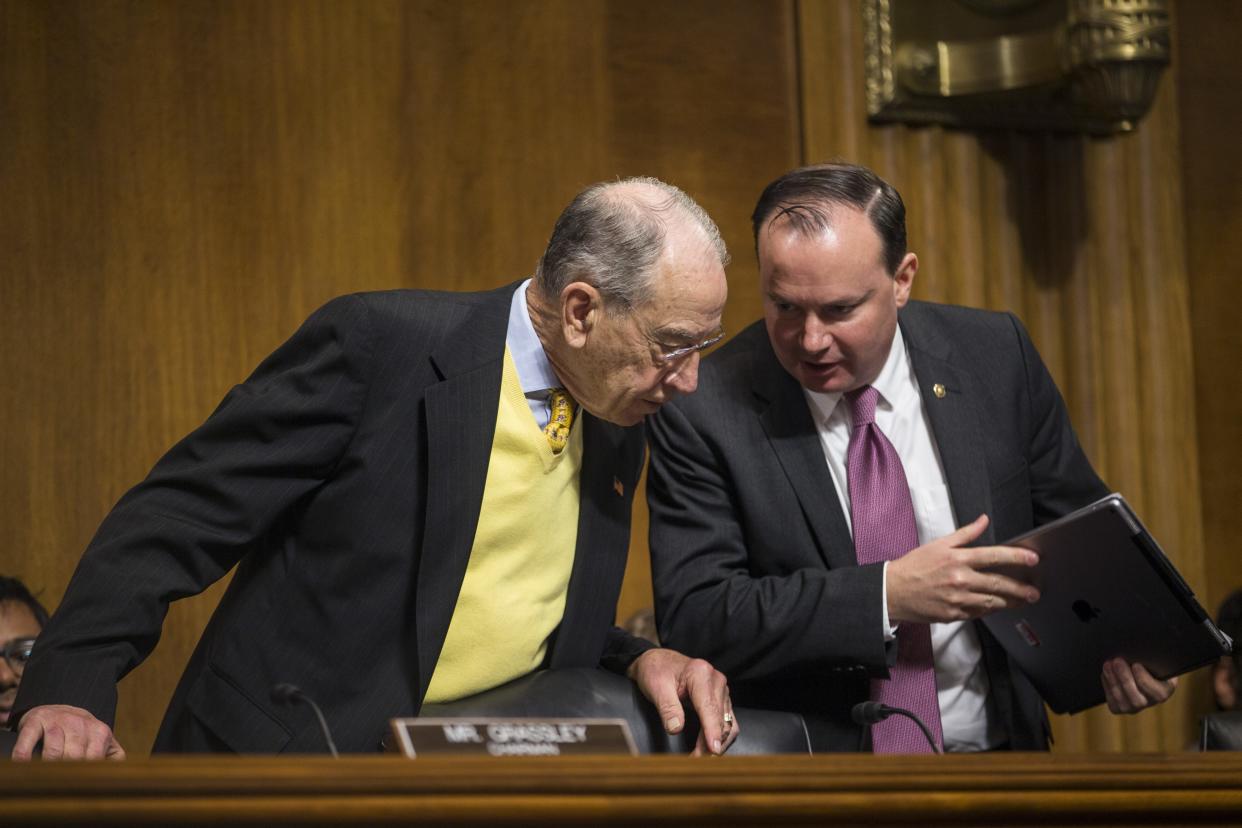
[752, 559]
[344, 480]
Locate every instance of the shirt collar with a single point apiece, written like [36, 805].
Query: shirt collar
[534, 371]
[891, 383]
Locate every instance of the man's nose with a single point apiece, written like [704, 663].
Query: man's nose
[685, 377]
[816, 336]
[8, 678]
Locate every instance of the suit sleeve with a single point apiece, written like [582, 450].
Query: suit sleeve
[205, 505]
[1062, 479]
[621, 649]
[720, 593]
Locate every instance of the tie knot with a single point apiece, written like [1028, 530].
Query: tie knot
[560, 418]
[862, 404]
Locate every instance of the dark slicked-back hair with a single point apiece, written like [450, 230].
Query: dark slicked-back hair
[12, 589]
[806, 198]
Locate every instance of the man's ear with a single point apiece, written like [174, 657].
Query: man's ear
[903, 278]
[581, 309]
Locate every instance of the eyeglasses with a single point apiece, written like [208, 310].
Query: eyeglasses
[17, 653]
[670, 354]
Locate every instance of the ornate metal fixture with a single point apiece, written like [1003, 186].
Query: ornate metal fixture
[1083, 65]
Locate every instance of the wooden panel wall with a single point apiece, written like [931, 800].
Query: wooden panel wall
[1211, 117]
[1083, 239]
[185, 181]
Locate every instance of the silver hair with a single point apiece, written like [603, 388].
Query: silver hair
[612, 235]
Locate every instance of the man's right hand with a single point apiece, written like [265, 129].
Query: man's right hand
[946, 581]
[67, 733]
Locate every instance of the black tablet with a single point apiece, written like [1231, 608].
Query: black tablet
[1106, 590]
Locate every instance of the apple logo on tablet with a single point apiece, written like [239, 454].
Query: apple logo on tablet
[1085, 612]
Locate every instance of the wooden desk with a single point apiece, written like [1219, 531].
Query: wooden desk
[993, 789]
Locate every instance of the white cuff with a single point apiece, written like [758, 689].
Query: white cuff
[890, 631]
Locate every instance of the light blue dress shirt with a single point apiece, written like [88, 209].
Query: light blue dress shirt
[533, 369]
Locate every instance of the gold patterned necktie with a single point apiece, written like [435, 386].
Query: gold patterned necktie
[561, 419]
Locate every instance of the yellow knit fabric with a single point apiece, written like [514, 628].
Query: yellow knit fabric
[513, 596]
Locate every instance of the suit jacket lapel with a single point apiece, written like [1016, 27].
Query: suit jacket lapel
[461, 422]
[952, 417]
[786, 419]
[954, 422]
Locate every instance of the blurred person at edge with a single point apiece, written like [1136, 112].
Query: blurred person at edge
[21, 620]
[1227, 670]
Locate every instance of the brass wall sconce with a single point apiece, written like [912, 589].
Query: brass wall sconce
[1080, 65]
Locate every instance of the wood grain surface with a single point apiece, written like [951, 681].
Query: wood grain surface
[1211, 118]
[992, 790]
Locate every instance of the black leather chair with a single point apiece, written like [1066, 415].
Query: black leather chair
[1221, 731]
[591, 693]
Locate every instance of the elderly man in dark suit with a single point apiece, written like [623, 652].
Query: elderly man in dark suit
[425, 495]
[815, 506]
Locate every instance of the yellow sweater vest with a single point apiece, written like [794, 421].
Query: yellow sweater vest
[513, 595]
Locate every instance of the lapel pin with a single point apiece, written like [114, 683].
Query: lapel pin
[938, 390]
[617, 487]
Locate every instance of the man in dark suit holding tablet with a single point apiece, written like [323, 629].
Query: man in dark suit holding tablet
[815, 507]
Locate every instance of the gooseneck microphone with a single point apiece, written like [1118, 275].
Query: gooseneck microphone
[290, 693]
[871, 712]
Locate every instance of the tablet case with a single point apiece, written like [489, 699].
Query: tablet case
[1106, 590]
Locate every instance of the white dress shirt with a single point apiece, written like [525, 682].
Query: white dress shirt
[961, 681]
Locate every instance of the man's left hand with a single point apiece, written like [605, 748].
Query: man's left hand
[666, 677]
[1129, 688]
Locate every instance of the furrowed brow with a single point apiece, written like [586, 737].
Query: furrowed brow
[678, 335]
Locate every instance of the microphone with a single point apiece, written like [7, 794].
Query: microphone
[291, 693]
[871, 712]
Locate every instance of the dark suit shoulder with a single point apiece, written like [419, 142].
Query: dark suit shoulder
[742, 348]
[728, 372]
[955, 321]
[464, 327]
[982, 341]
[438, 308]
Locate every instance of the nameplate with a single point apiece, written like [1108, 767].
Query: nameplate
[432, 736]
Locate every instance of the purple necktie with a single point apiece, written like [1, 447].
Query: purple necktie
[884, 530]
